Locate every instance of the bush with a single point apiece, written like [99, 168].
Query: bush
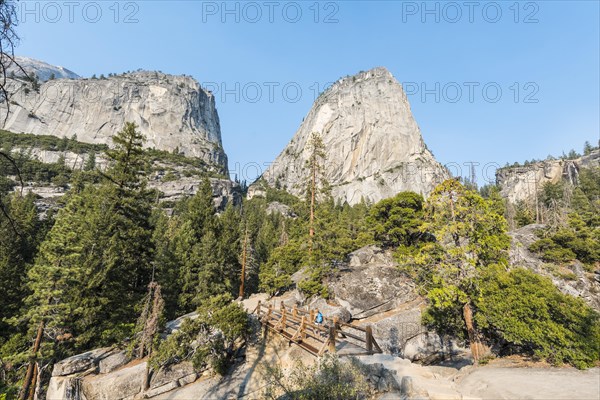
[525, 310]
[211, 339]
[396, 221]
[577, 241]
[332, 379]
[313, 285]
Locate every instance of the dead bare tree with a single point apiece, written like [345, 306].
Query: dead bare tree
[8, 41]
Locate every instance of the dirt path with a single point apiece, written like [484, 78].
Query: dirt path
[531, 383]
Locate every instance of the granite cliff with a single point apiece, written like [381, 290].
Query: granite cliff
[373, 145]
[521, 183]
[173, 112]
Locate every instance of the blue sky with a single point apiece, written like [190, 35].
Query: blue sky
[488, 82]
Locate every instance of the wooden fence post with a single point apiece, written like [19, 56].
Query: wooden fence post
[268, 315]
[332, 334]
[295, 310]
[369, 339]
[283, 320]
[257, 310]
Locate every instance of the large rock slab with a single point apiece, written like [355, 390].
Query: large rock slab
[80, 362]
[175, 325]
[120, 384]
[172, 373]
[370, 284]
[331, 310]
[114, 361]
[400, 332]
[62, 388]
[531, 383]
[276, 207]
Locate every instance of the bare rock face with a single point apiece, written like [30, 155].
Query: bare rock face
[81, 362]
[43, 71]
[276, 207]
[173, 112]
[522, 183]
[574, 280]
[373, 145]
[373, 286]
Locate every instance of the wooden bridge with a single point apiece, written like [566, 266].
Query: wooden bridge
[333, 336]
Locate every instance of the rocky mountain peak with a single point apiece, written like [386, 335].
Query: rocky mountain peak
[173, 112]
[41, 69]
[374, 146]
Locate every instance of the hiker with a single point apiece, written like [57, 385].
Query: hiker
[319, 321]
[319, 318]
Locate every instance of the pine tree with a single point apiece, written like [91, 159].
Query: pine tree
[230, 234]
[196, 247]
[20, 234]
[211, 280]
[315, 166]
[396, 221]
[94, 265]
[471, 235]
[55, 279]
[90, 162]
[127, 157]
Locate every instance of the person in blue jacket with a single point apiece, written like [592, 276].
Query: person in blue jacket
[319, 318]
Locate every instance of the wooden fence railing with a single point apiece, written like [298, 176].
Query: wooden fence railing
[333, 336]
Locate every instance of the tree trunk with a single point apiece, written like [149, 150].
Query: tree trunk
[312, 201]
[30, 369]
[473, 339]
[32, 387]
[243, 277]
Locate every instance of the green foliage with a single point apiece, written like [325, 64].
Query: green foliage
[21, 232]
[210, 339]
[92, 270]
[177, 346]
[577, 240]
[526, 310]
[552, 193]
[283, 262]
[313, 284]
[47, 142]
[396, 221]
[524, 214]
[332, 378]
[469, 235]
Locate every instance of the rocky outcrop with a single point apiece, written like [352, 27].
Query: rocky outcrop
[170, 179]
[42, 70]
[371, 284]
[373, 290]
[81, 362]
[224, 191]
[523, 182]
[373, 145]
[276, 207]
[173, 112]
[572, 279]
